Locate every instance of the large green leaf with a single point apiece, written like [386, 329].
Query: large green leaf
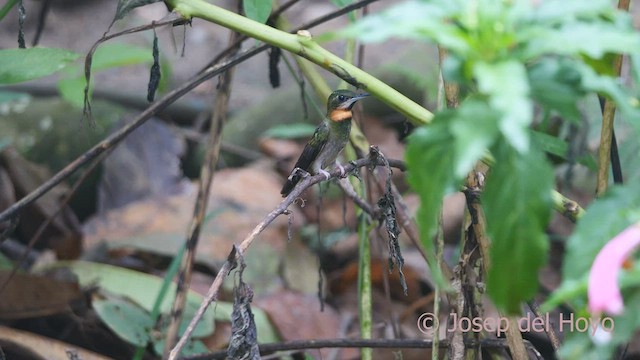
[139, 287]
[507, 86]
[474, 129]
[124, 317]
[556, 85]
[18, 65]
[112, 55]
[257, 10]
[412, 20]
[517, 204]
[430, 158]
[440, 155]
[579, 38]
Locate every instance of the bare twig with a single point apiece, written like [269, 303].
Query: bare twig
[360, 343]
[305, 183]
[207, 171]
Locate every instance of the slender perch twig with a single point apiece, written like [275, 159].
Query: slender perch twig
[207, 171]
[305, 183]
[361, 343]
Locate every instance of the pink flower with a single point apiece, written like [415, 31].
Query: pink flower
[604, 293]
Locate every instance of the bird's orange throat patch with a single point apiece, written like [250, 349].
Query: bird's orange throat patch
[338, 115]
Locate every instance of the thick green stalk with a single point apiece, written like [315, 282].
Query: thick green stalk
[303, 45]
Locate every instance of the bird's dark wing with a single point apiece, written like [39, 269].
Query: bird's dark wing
[309, 154]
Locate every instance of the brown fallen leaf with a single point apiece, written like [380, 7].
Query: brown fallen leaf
[41, 347]
[240, 198]
[63, 235]
[298, 317]
[28, 296]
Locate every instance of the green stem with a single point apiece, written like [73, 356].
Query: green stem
[7, 7]
[303, 45]
[364, 285]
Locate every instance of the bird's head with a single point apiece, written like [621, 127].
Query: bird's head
[340, 104]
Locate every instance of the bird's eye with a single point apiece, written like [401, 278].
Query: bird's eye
[341, 98]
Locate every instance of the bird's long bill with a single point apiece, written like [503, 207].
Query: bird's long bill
[349, 103]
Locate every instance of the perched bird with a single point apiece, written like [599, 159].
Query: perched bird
[328, 140]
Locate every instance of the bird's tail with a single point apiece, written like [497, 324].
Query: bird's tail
[290, 184]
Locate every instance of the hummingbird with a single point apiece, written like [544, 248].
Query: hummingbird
[328, 140]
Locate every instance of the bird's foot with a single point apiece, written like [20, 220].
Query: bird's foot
[343, 173]
[325, 174]
[298, 172]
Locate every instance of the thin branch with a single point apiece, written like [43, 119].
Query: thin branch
[348, 189]
[304, 184]
[207, 172]
[361, 343]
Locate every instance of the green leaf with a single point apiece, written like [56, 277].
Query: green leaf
[410, 21]
[611, 87]
[139, 287]
[507, 86]
[125, 318]
[474, 129]
[605, 218]
[72, 90]
[431, 160]
[290, 131]
[125, 6]
[18, 65]
[579, 38]
[556, 85]
[113, 55]
[343, 3]
[517, 204]
[257, 10]
[549, 144]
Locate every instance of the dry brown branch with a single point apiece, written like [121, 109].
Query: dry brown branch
[304, 184]
[207, 171]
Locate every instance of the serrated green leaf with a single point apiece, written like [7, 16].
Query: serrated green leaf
[290, 131]
[507, 86]
[474, 129]
[556, 85]
[605, 218]
[611, 87]
[410, 21]
[18, 65]
[125, 6]
[257, 10]
[517, 204]
[431, 158]
[594, 39]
